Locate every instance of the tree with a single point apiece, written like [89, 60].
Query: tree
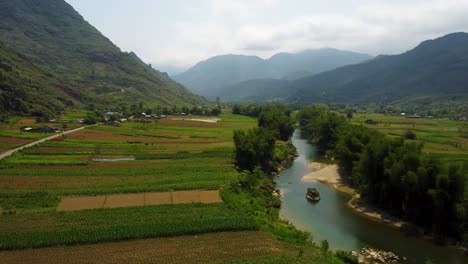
[114, 117]
[275, 118]
[254, 147]
[410, 135]
[185, 109]
[93, 118]
[216, 111]
[324, 246]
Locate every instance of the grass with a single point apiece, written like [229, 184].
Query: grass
[23, 135]
[44, 160]
[128, 131]
[442, 138]
[53, 228]
[72, 115]
[292, 259]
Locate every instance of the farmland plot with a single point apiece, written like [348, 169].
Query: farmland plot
[442, 138]
[170, 155]
[183, 249]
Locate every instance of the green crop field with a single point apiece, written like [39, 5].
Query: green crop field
[164, 155]
[53, 228]
[12, 137]
[442, 138]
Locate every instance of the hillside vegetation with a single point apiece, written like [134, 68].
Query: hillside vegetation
[52, 59]
[435, 68]
[431, 74]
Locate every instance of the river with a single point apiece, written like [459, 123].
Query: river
[330, 219]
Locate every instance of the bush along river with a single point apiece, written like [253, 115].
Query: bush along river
[331, 219]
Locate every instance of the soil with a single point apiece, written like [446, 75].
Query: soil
[13, 140]
[81, 203]
[124, 200]
[44, 182]
[139, 199]
[183, 249]
[27, 121]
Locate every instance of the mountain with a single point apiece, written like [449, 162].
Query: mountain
[258, 90]
[308, 62]
[52, 59]
[210, 76]
[213, 77]
[434, 69]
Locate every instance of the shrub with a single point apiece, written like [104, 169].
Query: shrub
[347, 257]
[410, 135]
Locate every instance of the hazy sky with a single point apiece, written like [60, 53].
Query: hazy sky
[175, 34]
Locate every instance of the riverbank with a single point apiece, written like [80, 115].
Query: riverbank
[329, 174]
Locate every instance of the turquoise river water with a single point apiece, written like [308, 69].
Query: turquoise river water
[332, 220]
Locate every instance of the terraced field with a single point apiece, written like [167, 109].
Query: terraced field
[167, 155]
[11, 136]
[138, 199]
[442, 138]
[184, 249]
[162, 192]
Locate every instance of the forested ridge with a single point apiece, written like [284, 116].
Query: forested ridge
[393, 173]
[51, 59]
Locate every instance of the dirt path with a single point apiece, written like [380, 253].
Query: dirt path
[183, 249]
[10, 152]
[139, 199]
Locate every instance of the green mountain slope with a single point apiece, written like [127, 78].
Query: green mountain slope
[258, 90]
[314, 61]
[217, 75]
[435, 69]
[52, 59]
[209, 77]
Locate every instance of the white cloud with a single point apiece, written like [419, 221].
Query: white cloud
[239, 9]
[373, 27]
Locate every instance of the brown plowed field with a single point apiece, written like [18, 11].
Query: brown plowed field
[139, 199]
[183, 249]
[13, 140]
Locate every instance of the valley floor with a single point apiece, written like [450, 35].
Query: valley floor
[45, 191]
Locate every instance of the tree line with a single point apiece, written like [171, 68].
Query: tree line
[256, 147]
[258, 154]
[393, 173]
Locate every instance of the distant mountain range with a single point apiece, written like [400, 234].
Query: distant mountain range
[52, 59]
[214, 76]
[434, 70]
